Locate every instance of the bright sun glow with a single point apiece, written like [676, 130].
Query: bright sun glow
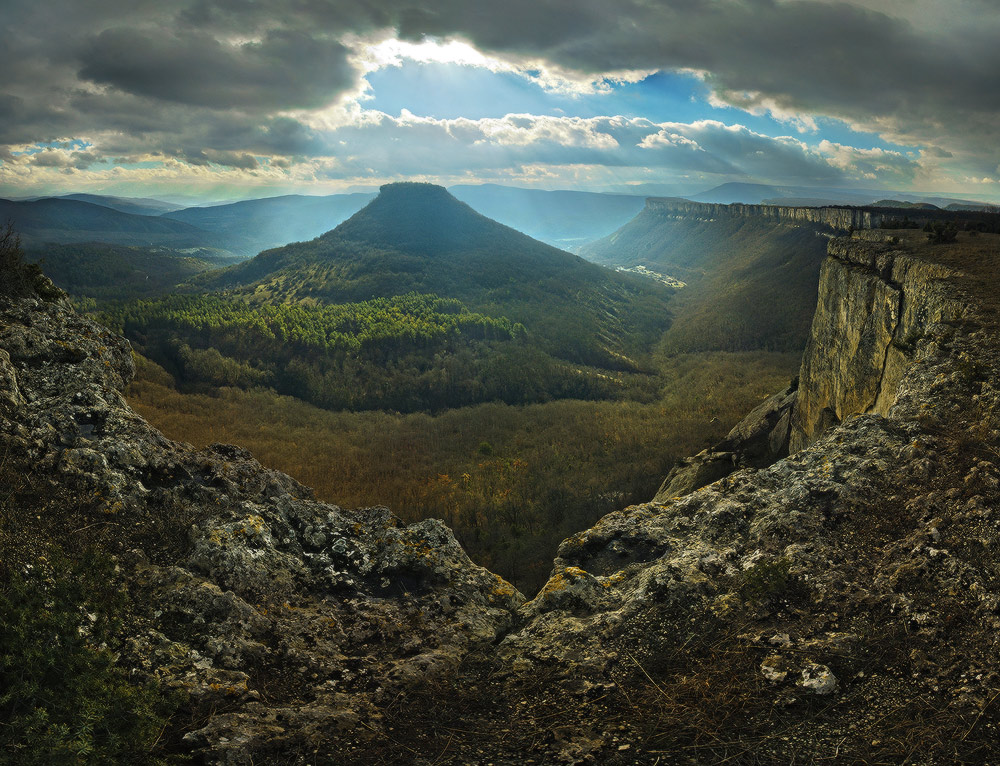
[392, 52]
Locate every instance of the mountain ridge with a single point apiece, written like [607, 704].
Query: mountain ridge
[419, 238]
[65, 221]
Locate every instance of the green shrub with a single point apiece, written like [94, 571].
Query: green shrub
[942, 233]
[19, 279]
[63, 700]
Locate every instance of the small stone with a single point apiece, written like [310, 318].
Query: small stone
[818, 679]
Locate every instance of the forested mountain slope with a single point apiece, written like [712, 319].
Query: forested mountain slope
[418, 238]
[68, 220]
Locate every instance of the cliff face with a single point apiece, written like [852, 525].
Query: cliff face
[841, 604]
[861, 569]
[876, 301]
[837, 218]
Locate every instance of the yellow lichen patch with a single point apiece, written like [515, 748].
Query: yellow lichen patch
[556, 583]
[252, 525]
[726, 604]
[614, 579]
[501, 589]
[113, 508]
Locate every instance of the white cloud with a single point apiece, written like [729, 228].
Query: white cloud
[537, 149]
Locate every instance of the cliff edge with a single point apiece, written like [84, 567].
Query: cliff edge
[282, 621]
[841, 604]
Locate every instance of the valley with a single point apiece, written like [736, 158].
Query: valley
[512, 481]
[834, 575]
[423, 356]
[479, 376]
[500, 384]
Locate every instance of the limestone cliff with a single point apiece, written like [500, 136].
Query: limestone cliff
[876, 301]
[861, 569]
[840, 605]
[836, 218]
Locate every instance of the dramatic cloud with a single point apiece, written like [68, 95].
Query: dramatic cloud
[275, 92]
[284, 70]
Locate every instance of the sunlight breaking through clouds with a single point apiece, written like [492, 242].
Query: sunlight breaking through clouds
[392, 52]
[877, 92]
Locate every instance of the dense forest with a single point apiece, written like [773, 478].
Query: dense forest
[405, 353]
[511, 480]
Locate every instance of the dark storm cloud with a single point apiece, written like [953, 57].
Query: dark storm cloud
[52, 158]
[251, 15]
[925, 78]
[833, 58]
[285, 70]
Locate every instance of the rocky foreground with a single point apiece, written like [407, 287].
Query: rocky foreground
[839, 605]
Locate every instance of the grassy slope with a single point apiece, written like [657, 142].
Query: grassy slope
[751, 284]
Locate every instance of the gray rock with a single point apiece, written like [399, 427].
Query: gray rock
[755, 442]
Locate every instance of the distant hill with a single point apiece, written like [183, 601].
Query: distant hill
[419, 238]
[275, 221]
[972, 206]
[118, 272]
[565, 219]
[756, 194]
[133, 205]
[799, 202]
[895, 203]
[751, 282]
[62, 221]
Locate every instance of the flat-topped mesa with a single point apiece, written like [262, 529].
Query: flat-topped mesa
[837, 218]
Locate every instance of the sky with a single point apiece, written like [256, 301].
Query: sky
[229, 99]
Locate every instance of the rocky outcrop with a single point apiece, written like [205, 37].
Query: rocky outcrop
[289, 619]
[757, 441]
[861, 568]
